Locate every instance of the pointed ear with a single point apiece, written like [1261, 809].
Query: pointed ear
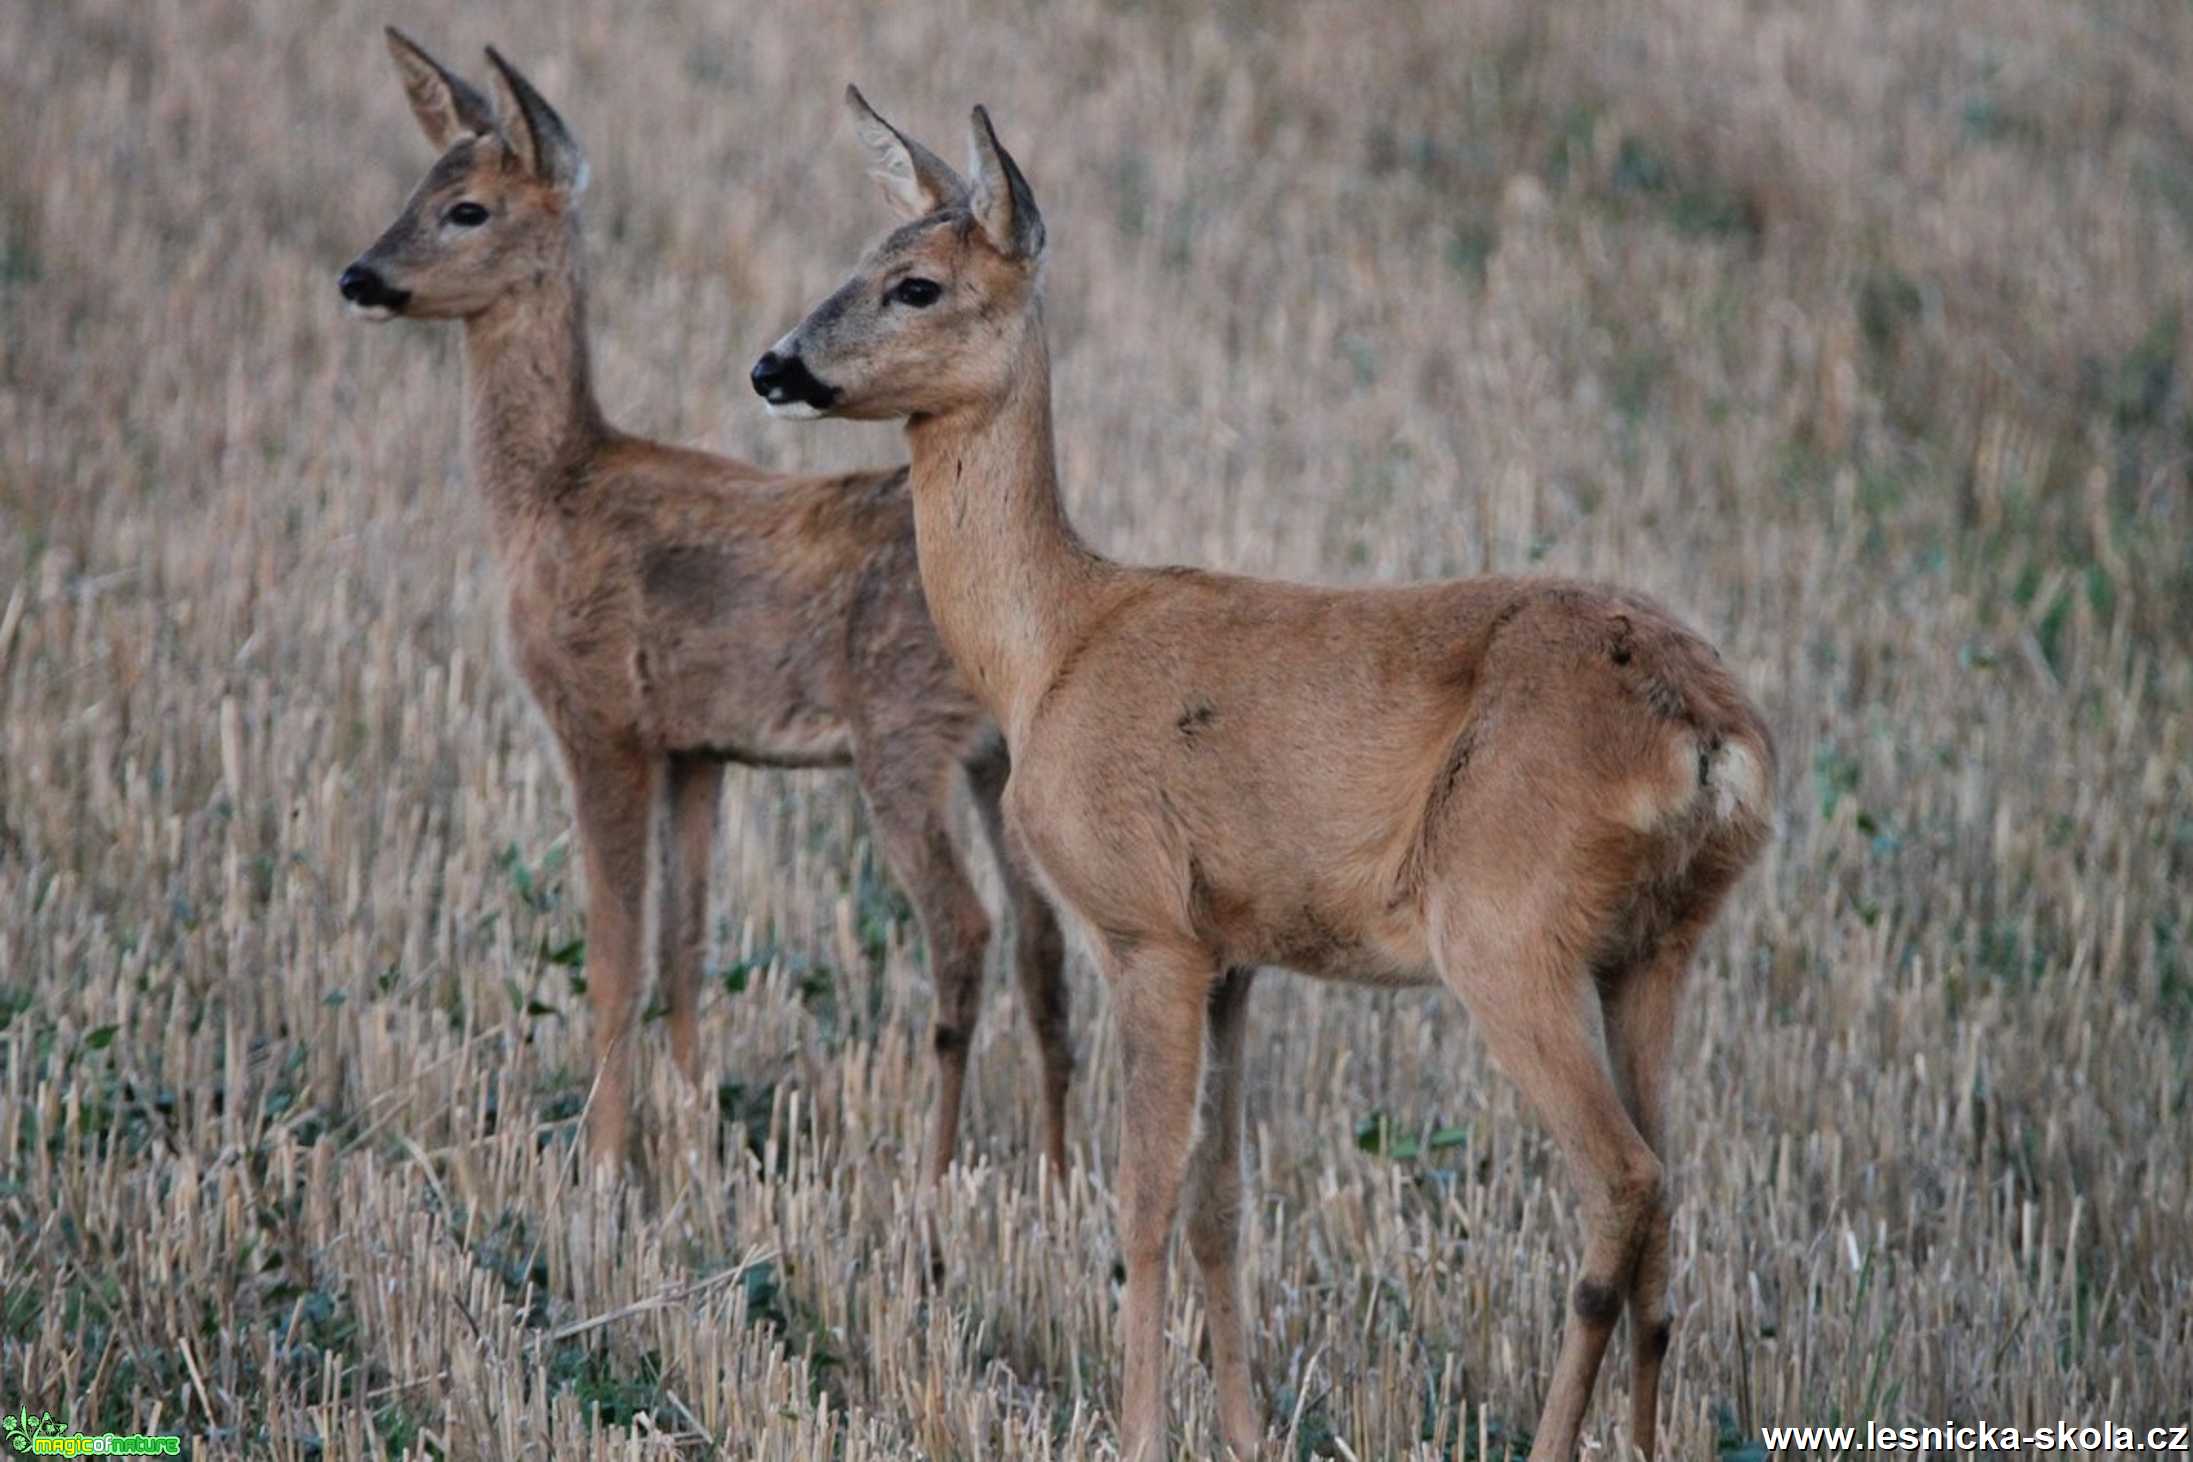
[448, 107]
[916, 180]
[1000, 199]
[539, 141]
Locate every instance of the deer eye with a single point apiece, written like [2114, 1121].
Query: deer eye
[917, 292]
[466, 214]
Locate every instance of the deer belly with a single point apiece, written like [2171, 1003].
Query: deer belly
[1329, 939]
[1351, 961]
[789, 736]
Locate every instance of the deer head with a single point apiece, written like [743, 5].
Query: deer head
[497, 208]
[933, 316]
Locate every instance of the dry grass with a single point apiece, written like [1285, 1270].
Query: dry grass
[1853, 329]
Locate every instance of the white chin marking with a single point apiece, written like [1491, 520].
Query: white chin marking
[793, 410]
[375, 313]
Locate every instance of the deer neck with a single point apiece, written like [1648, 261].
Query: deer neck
[1008, 582]
[530, 390]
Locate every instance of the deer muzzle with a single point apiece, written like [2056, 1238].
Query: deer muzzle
[367, 293]
[789, 388]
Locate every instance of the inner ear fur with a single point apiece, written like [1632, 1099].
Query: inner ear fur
[915, 180]
[446, 105]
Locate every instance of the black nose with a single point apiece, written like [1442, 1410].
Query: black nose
[769, 372]
[365, 287]
[782, 379]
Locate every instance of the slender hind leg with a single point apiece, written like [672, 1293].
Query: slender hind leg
[1039, 954]
[908, 790]
[1640, 1005]
[1214, 1214]
[1533, 999]
[681, 926]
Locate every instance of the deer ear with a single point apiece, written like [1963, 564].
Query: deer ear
[916, 180]
[448, 107]
[539, 141]
[1000, 199]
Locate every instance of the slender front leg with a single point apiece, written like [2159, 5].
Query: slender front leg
[1214, 1214]
[689, 845]
[1039, 955]
[614, 788]
[1161, 998]
[907, 786]
[1039, 963]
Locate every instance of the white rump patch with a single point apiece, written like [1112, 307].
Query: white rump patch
[1733, 780]
[1739, 780]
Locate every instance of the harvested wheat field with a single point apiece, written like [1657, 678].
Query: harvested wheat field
[1856, 332]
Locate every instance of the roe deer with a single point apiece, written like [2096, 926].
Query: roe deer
[672, 611]
[1535, 791]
